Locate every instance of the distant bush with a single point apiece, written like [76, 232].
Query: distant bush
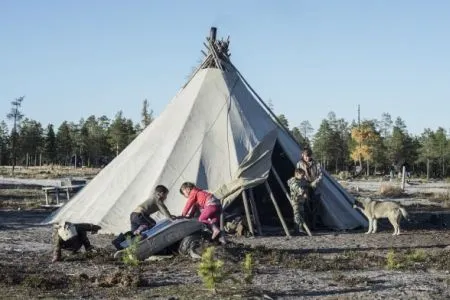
[443, 198]
[389, 190]
[344, 175]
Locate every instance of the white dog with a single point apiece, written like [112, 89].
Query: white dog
[374, 210]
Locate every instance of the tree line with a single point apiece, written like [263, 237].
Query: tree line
[91, 142]
[376, 146]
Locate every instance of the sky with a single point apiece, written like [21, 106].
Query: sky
[73, 59]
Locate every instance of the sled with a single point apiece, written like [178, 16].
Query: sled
[164, 234]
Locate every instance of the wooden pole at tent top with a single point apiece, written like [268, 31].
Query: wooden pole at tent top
[213, 34]
[277, 208]
[255, 212]
[289, 198]
[247, 213]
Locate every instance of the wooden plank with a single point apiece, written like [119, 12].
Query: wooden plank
[277, 208]
[247, 213]
[280, 182]
[255, 213]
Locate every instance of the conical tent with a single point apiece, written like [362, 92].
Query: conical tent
[215, 132]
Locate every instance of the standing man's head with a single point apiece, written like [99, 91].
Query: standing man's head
[186, 188]
[307, 155]
[161, 192]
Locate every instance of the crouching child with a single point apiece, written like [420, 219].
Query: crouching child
[140, 217]
[71, 237]
[210, 208]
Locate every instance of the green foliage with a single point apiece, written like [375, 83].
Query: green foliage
[331, 143]
[120, 133]
[4, 142]
[64, 143]
[284, 121]
[248, 267]
[50, 144]
[299, 137]
[210, 269]
[147, 116]
[129, 257]
[95, 141]
[393, 261]
[398, 261]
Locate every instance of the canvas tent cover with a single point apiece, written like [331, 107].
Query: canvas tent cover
[214, 133]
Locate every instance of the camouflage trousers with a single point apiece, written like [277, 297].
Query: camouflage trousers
[298, 209]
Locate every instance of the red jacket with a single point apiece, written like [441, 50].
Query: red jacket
[196, 197]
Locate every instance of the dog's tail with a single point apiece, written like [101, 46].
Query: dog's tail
[404, 213]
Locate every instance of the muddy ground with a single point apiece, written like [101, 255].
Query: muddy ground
[329, 265]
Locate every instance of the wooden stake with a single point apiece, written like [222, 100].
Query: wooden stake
[403, 178]
[289, 197]
[255, 213]
[212, 34]
[247, 213]
[222, 221]
[277, 208]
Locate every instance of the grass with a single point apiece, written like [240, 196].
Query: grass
[417, 259]
[354, 260]
[48, 172]
[441, 198]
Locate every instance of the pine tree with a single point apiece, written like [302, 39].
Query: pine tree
[15, 115]
[147, 116]
[50, 145]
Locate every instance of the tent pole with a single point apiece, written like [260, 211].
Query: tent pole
[286, 130]
[277, 208]
[222, 221]
[289, 197]
[342, 191]
[255, 213]
[247, 213]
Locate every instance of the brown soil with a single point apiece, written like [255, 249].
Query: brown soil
[329, 265]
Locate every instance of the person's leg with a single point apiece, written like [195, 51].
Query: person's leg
[82, 230]
[56, 245]
[135, 221]
[210, 216]
[296, 212]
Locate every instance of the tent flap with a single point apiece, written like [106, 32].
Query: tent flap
[253, 170]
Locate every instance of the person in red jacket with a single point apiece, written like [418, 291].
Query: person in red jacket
[210, 207]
